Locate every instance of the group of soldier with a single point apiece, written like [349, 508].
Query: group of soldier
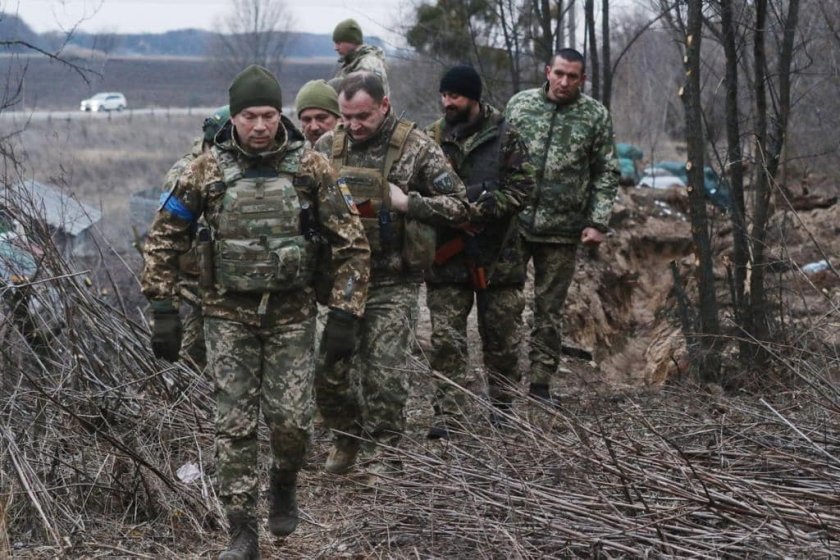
[261, 221]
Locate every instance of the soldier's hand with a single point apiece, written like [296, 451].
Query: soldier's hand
[591, 237]
[399, 200]
[339, 335]
[167, 331]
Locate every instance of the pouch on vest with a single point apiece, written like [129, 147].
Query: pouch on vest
[263, 265]
[383, 228]
[259, 245]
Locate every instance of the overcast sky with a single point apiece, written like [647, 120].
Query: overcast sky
[376, 17]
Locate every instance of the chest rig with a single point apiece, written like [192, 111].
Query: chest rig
[391, 237]
[259, 243]
[477, 162]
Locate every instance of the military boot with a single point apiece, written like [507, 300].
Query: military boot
[282, 503]
[540, 392]
[244, 539]
[343, 455]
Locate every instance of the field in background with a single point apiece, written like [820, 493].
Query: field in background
[146, 82]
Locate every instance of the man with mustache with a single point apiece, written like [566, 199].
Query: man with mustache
[481, 261]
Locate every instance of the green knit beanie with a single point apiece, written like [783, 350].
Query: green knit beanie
[348, 31]
[317, 94]
[254, 87]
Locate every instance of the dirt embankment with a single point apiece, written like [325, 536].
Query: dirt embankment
[620, 305]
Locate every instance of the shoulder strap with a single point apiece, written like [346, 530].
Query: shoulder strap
[396, 145]
[231, 172]
[291, 160]
[339, 143]
[438, 132]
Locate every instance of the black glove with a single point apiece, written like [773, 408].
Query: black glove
[339, 336]
[166, 330]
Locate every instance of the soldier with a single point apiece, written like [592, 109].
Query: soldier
[355, 56]
[266, 198]
[401, 185]
[193, 347]
[570, 140]
[484, 261]
[317, 109]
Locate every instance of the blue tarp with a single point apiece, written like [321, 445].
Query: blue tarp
[628, 155]
[717, 189]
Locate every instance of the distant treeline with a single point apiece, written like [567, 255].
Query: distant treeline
[183, 42]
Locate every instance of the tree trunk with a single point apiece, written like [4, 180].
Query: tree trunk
[572, 43]
[741, 251]
[594, 71]
[707, 340]
[606, 63]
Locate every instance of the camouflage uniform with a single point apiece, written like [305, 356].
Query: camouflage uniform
[365, 57]
[192, 347]
[491, 159]
[260, 344]
[369, 395]
[573, 151]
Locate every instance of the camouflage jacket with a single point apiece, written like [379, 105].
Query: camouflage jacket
[187, 262]
[492, 160]
[365, 57]
[199, 192]
[436, 194]
[573, 152]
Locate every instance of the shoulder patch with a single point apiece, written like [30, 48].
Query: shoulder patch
[347, 196]
[444, 183]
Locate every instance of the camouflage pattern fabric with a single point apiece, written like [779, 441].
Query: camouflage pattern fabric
[367, 395]
[436, 194]
[192, 344]
[268, 369]
[365, 57]
[200, 191]
[376, 374]
[500, 328]
[501, 165]
[554, 267]
[573, 151]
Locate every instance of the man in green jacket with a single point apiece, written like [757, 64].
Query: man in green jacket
[402, 186]
[268, 202]
[355, 55]
[570, 141]
[482, 261]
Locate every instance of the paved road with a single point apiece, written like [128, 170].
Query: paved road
[25, 116]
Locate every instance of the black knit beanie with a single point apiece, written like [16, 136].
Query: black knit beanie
[254, 87]
[463, 80]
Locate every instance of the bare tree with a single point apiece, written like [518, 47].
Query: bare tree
[708, 359]
[255, 32]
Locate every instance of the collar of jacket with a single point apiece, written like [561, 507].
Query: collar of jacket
[487, 121]
[544, 94]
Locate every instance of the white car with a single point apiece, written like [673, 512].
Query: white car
[108, 101]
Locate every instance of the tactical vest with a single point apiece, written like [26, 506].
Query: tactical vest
[259, 245]
[397, 244]
[485, 166]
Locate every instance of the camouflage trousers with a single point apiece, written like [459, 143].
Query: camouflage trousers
[268, 368]
[554, 267]
[192, 346]
[366, 396]
[499, 312]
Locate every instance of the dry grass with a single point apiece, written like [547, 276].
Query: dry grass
[94, 430]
